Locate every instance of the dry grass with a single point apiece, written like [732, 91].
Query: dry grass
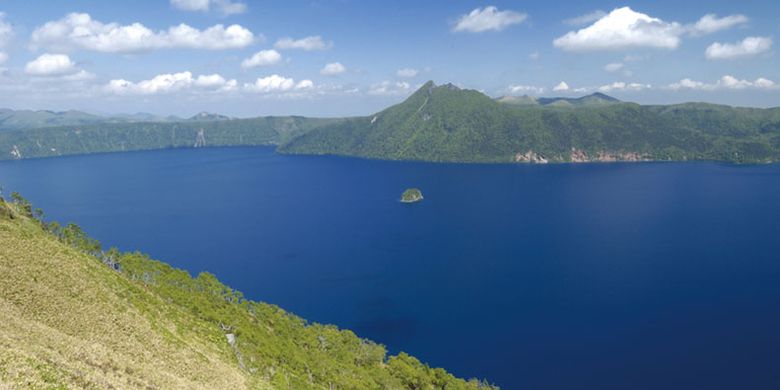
[67, 321]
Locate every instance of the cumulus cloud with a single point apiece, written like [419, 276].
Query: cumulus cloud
[585, 19]
[262, 58]
[309, 43]
[711, 23]
[621, 86]
[613, 67]
[725, 82]
[561, 87]
[488, 19]
[276, 83]
[226, 7]
[333, 69]
[6, 31]
[79, 30]
[390, 88]
[748, 47]
[524, 89]
[6, 34]
[623, 28]
[407, 73]
[169, 83]
[51, 65]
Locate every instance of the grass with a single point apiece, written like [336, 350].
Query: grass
[67, 320]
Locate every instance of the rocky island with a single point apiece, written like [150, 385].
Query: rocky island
[411, 195]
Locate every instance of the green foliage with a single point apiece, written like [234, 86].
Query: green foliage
[271, 345]
[411, 195]
[120, 137]
[451, 125]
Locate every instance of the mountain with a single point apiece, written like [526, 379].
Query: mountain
[126, 136]
[75, 316]
[207, 116]
[595, 99]
[23, 119]
[447, 124]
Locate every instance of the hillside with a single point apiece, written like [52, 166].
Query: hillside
[448, 124]
[200, 131]
[24, 119]
[75, 316]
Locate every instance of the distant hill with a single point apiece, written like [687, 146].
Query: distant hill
[596, 99]
[126, 136]
[75, 316]
[28, 119]
[441, 123]
[25, 119]
[447, 124]
[207, 116]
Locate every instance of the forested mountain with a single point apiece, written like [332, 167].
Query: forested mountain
[449, 124]
[200, 131]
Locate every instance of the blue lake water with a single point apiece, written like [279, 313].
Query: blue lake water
[613, 276]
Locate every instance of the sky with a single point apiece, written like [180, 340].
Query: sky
[354, 57]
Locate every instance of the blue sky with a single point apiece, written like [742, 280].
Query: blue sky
[333, 58]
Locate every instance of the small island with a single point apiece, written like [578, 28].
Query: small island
[411, 195]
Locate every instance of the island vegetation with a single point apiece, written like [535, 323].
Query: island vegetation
[75, 315]
[411, 195]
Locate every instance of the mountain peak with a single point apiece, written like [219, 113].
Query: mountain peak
[601, 96]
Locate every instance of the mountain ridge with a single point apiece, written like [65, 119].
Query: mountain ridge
[457, 125]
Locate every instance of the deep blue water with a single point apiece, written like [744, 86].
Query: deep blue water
[613, 276]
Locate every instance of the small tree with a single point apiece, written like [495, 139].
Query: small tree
[23, 204]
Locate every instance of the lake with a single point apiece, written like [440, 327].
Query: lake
[593, 276]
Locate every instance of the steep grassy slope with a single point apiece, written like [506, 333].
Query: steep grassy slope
[74, 316]
[118, 137]
[448, 124]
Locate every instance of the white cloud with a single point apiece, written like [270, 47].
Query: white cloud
[561, 87]
[623, 28]
[333, 69]
[79, 30]
[725, 82]
[226, 7]
[6, 31]
[534, 56]
[309, 43]
[524, 89]
[621, 86]
[748, 47]
[488, 19]
[390, 88]
[6, 34]
[276, 83]
[585, 19]
[262, 58]
[170, 82]
[613, 67]
[407, 73]
[304, 84]
[81, 75]
[51, 65]
[711, 23]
